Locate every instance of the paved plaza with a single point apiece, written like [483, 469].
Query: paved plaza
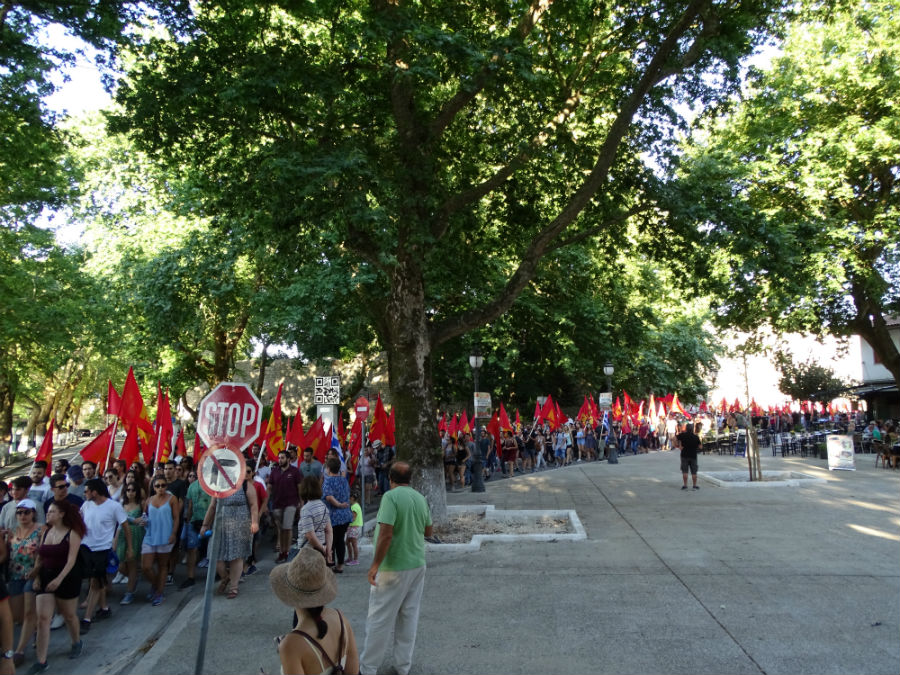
[721, 580]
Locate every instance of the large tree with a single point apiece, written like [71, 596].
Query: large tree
[433, 152]
[796, 189]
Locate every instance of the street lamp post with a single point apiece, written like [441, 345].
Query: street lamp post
[476, 361]
[613, 449]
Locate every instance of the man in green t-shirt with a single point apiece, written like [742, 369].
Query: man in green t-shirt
[397, 574]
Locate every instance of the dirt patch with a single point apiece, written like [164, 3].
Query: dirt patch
[463, 526]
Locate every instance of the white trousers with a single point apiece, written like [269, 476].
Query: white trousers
[393, 607]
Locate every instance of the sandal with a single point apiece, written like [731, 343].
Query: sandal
[232, 594]
[223, 585]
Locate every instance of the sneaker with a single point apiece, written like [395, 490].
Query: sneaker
[187, 583]
[684, 487]
[353, 562]
[251, 570]
[85, 626]
[38, 667]
[103, 614]
[170, 580]
[158, 600]
[696, 487]
[76, 649]
[57, 622]
[118, 578]
[127, 599]
[203, 563]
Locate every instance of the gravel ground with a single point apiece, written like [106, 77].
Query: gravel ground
[463, 526]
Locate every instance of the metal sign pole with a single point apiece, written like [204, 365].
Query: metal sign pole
[362, 483]
[212, 554]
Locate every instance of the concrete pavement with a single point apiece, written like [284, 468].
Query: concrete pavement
[722, 580]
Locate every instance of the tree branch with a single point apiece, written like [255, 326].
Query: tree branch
[458, 325]
[466, 95]
[615, 219]
[462, 199]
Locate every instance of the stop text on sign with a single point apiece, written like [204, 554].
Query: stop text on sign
[228, 419]
[229, 416]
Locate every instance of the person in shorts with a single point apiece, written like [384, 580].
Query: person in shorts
[102, 516]
[689, 442]
[354, 530]
[284, 490]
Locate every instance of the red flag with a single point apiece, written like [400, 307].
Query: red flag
[617, 410]
[378, 432]
[595, 411]
[703, 407]
[113, 400]
[464, 425]
[391, 429]
[295, 435]
[180, 448]
[129, 452]
[198, 448]
[493, 428]
[504, 419]
[560, 417]
[584, 412]
[97, 449]
[132, 411]
[274, 434]
[453, 427]
[626, 425]
[548, 413]
[676, 406]
[538, 417]
[628, 404]
[46, 451]
[342, 435]
[146, 449]
[316, 439]
[354, 445]
[442, 425]
[163, 426]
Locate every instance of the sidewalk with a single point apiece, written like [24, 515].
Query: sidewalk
[721, 580]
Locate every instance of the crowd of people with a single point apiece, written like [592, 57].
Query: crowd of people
[70, 534]
[528, 449]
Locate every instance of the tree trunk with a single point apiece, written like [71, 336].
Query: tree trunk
[7, 399]
[263, 360]
[412, 394]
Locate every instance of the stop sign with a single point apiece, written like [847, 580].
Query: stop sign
[362, 408]
[230, 415]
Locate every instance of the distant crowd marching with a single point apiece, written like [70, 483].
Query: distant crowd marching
[553, 439]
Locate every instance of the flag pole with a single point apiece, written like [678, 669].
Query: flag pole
[262, 451]
[112, 440]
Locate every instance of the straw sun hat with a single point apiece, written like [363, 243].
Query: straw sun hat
[305, 581]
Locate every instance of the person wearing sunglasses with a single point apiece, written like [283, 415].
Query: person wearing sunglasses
[60, 489]
[22, 546]
[102, 516]
[162, 511]
[133, 502]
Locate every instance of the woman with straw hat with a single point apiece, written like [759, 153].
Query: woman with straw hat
[307, 585]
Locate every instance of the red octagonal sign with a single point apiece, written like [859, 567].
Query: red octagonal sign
[229, 416]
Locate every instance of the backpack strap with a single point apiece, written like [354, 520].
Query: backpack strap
[335, 667]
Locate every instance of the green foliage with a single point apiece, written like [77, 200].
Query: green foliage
[807, 380]
[795, 191]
